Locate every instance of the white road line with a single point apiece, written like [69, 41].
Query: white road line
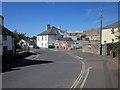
[53, 49]
[86, 76]
[35, 57]
[78, 57]
[82, 73]
[79, 77]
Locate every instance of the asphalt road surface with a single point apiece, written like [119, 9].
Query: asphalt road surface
[57, 69]
[51, 69]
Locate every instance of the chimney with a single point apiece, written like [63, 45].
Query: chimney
[59, 27]
[2, 20]
[48, 27]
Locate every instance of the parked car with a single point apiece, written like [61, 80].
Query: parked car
[36, 47]
[51, 46]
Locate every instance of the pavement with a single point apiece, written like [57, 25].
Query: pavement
[104, 72]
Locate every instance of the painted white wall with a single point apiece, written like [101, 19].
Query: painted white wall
[107, 36]
[42, 43]
[8, 42]
[47, 40]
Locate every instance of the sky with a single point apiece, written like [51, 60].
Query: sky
[32, 17]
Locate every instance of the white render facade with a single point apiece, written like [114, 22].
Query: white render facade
[45, 40]
[48, 37]
[108, 35]
[42, 41]
[6, 44]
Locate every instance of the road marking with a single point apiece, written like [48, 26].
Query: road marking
[80, 76]
[36, 57]
[53, 49]
[86, 76]
[77, 57]
[82, 73]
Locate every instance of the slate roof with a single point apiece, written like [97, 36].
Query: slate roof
[5, 31]
[52, 31]
[113, 25]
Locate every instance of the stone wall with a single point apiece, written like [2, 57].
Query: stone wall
[91, 48]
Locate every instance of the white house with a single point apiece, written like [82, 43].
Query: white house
[49, 36]
[6, 39]
[109, 33]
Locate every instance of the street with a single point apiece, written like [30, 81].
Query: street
[50, 70]
[62, 69]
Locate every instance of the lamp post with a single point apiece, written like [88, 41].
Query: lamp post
[101, 32]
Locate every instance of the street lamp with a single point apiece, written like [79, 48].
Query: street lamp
[101, 32]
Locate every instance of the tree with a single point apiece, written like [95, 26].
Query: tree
[118, 43]
[19, 35]
[117, 35]
[33, 38]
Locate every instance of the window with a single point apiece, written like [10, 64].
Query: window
[45, 38]
[5, 48]
[38, 38]
[86, 39]
[42, 38]
[4, 37]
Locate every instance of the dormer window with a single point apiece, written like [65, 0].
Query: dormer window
[112, 30]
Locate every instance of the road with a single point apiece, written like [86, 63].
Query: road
[62, 69]
[50, 69]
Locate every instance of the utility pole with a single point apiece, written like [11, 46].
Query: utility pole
[101, 31]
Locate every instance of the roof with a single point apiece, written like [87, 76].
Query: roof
[66, 39]
[1, 17]
[52, 31]
[113, 25]
[5, 31]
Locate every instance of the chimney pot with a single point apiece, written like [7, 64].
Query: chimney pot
[2, 20]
